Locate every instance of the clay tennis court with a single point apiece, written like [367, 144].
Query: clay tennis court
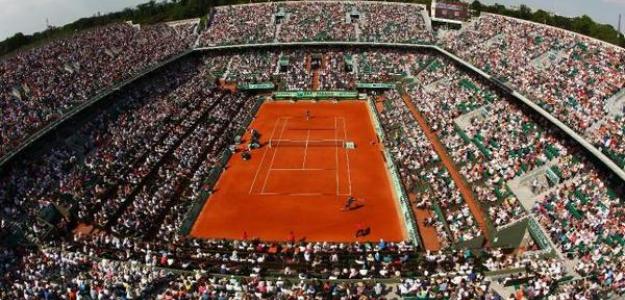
[301, 177]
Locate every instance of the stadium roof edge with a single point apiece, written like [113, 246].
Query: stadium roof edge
[447, 20]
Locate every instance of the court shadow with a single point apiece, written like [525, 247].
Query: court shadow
[355, 207]
[363, 232]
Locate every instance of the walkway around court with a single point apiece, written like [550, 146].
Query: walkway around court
[463, 187]
[428, 234]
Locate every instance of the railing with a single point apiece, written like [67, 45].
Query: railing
[318, 43]
[539, 236]
[315, 95]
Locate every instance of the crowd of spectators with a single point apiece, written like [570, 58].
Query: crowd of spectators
[500, 141]
[40, 85]
[298, 73]
[308, 21]
[53, 274]
[316, 21]
[204, 142]
[240, 24]
[571, 76]
[382, 65]
[197, 286]
[104, 267]
[585, 219]
[133, 171]
[106, 155]
[138, 153]
[337, 71]
[444, 96]
[252, 67]
[424, 175]
[393, 23]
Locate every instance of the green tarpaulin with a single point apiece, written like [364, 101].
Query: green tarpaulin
[256, 86]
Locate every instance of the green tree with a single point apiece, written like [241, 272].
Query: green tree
[476, 6]
[524, 12]
[540, 16]
[583, 25]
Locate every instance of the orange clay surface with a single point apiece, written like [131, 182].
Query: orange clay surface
[303, 188]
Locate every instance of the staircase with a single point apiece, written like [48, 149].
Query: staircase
[227, 73]
[316, 83]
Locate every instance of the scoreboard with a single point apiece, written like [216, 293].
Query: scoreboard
[450, 10]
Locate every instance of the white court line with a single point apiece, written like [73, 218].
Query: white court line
[305, 194]
[306, 149]
[310, 141]
[298, 194]
[349, 175]
[336, 156]
[309, 169]
[263, 158]
[273, 157]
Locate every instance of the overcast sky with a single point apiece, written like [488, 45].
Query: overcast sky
[29, 16]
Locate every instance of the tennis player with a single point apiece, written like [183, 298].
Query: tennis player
[349, 203]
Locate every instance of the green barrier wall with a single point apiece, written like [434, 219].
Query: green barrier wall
[256, 86]
[474, 243]
[315, 94]
[511, 235]
[537, 234]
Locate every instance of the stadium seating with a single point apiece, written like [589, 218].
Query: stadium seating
[317, 21]
[42, 84]
[130, 173]
[575, 78]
